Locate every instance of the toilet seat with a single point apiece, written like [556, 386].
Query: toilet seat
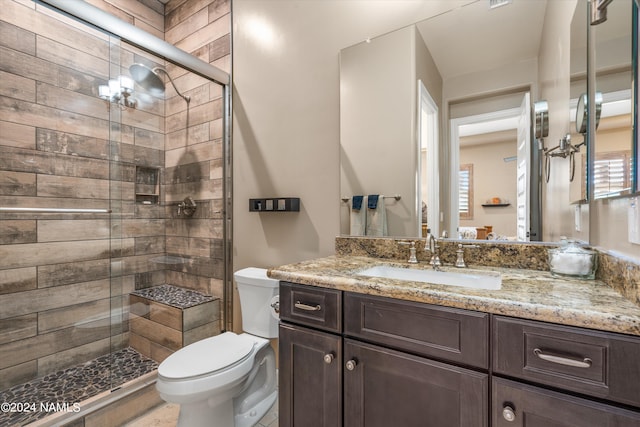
[206, 357]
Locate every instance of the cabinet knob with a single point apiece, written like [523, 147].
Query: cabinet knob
[328, 358]
[351, 365]
[508, 413]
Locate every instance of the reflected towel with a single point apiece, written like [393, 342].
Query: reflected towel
[372, 201]
[356, 203]
[357, 218]
[377, 219]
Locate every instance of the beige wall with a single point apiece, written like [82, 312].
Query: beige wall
[554, 74]
[492, 177]
[377, 127]
[286, 116]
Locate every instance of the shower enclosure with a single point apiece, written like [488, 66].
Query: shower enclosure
[97, 171]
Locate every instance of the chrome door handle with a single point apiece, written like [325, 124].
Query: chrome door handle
[307, 307]
[328, 358]
[561, 360]
[351, 365]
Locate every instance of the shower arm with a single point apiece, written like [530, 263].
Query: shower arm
[185, 97]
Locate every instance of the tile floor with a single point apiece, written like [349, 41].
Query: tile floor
[166, 415]
[75, 384]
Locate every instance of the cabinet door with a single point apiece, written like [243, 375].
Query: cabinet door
[519, 405]
[385, 388]
[310, 378]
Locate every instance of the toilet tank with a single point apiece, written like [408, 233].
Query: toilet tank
[257, 293]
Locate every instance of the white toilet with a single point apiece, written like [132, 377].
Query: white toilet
[230, 379]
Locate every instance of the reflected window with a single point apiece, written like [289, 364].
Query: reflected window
[465, 191]
[612, 173]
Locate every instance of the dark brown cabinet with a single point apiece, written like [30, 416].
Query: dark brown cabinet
[520, 405]
[384, 382]
[354, 360]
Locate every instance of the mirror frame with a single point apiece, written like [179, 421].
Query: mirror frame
[635, 29]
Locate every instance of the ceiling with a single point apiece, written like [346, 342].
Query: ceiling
[476, 38]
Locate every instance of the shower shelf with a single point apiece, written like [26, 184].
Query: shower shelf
[147, 185]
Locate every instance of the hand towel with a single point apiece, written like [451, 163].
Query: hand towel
[376, 218]
[357, 217]
[372, 201]
[356, 202]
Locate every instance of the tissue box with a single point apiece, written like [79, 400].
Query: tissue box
[570, 260]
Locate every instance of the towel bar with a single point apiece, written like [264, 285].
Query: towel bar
[397, 197]
[53, 210]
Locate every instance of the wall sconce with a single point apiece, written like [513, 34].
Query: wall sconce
[118, 91]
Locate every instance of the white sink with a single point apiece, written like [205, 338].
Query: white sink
[466, 278]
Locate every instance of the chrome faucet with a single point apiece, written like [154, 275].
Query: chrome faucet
[432, 246]
[412, 251]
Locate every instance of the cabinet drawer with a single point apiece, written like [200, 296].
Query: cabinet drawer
[311, 306]
[595, 363]
[445, 333]
[519, 405]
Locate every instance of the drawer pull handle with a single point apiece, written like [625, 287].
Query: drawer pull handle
[328, 358]
[351, 365]
[584, 363]
[307, 307]
[508, 413]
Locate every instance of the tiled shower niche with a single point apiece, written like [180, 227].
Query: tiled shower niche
[147, 185]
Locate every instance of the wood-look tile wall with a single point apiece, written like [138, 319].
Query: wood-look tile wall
[194, 156]
[62, 146]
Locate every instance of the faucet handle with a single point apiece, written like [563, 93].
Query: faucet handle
[412, 251]
[460, 254]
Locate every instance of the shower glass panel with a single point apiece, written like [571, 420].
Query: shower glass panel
[170, 239]
[59, 183]
[109, 189]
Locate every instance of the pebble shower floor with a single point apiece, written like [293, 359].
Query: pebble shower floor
[34, 400]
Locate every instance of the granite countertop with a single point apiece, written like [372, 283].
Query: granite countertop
[527, 294]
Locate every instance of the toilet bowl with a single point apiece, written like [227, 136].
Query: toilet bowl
[229, 379]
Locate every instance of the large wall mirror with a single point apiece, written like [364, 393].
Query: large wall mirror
[430, 112]
[614, 71]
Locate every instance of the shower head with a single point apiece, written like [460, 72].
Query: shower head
[149, 79]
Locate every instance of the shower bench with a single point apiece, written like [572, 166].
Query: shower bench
[165, 318]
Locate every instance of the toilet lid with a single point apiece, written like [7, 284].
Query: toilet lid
[206, 356]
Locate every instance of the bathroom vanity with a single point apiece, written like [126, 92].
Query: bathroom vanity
[368, 351]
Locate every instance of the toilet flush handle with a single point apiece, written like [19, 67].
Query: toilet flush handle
[276, 306]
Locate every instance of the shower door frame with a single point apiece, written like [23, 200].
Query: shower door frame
[85, 12]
